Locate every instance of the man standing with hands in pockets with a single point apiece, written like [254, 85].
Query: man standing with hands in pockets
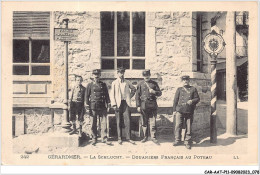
[146, 95]
[122, 91]
[185, 100]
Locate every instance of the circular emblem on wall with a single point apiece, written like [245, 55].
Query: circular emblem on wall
[213, 43]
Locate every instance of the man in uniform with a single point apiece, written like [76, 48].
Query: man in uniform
[185, 100]
[97, 103]
[76, 105]
[122, 91]
[146, 94]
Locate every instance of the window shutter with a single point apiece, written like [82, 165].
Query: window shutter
[31, 24]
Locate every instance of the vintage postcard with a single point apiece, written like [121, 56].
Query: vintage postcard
[129, 83]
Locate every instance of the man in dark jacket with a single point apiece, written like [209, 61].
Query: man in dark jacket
[184, 104]
[97, 103]
[146, 95]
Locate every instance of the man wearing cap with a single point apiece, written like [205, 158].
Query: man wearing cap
[97, 103]
[76, 104]
[184, 103]
[122, 91]
[146, 95]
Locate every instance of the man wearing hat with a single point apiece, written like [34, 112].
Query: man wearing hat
[97, 103]
[185, 100]
[76, 105]
[122, 91]
[146, 95]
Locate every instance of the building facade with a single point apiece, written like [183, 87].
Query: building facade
[168, 43]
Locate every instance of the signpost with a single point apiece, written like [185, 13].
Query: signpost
[62, 34]
[213, 44]
[66, 35]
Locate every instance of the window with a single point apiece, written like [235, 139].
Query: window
[199, 42]
[31, 43]
[122, 40]
[31, 57]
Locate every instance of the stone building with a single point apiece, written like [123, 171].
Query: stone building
[167, 43]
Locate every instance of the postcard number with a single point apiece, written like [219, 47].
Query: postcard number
[24, 156]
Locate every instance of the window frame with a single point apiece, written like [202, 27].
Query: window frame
[30, 63]
[199, 42]
[130, 57]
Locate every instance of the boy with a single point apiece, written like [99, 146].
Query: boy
[76, 104]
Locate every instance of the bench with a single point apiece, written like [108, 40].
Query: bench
[133, 132]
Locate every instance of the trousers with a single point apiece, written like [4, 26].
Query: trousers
[76, 108]
[148, 121]
[100, 115]
[183, 120]
[123, 120]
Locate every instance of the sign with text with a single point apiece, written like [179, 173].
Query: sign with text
[62, 34]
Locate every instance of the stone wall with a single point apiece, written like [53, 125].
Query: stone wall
[169, 50]
[37, 120]
[32, 120]
[84, 54]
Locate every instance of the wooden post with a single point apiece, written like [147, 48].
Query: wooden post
[213, 44]
[231, 74]
[213, 127]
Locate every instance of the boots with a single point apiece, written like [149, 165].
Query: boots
[144, 139]
[94, 141]
[80, 130]
[155, 141]
[106, 142]
[74, 130]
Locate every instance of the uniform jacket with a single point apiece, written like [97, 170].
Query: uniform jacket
[182, 95]
[81, 94]
[116, 94]
[143, 94]
[96, 95]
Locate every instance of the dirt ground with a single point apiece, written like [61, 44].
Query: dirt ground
[226, 144]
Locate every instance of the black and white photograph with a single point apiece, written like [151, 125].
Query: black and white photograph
[129, 83]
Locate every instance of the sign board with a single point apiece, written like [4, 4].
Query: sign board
[213, 43]
[63, 34]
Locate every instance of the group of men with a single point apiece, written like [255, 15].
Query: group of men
[96, 101]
